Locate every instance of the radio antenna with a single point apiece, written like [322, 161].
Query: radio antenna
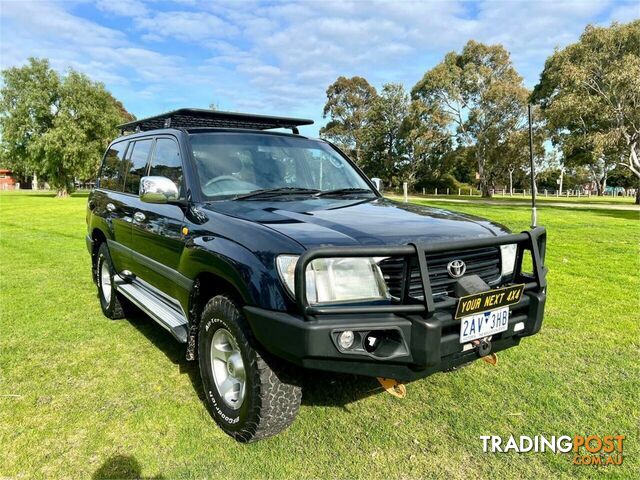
[534, 219]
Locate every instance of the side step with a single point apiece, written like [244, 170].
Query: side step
[163, 310]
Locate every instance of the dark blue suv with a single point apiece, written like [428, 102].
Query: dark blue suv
[267, 253]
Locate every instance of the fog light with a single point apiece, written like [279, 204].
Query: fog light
[518, 326]
[345, 339]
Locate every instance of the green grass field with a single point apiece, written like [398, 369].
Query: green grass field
[82, 396]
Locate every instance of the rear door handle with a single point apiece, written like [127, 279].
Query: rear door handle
[139, 217]
[111, 207]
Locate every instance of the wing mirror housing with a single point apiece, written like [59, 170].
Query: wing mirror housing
[158, 190]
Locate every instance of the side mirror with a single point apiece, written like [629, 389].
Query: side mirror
[158, 190]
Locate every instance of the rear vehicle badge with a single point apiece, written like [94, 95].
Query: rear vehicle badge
[456, 268]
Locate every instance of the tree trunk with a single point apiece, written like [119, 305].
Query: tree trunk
[484, 183]
[637, 196]
[62, 193]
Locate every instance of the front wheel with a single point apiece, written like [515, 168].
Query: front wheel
[249, 398]
[110, 302]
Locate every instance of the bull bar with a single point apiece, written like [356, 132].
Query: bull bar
[533, 241]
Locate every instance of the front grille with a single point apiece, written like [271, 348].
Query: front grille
[484, 262]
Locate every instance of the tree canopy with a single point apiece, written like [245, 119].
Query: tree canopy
[590, 97]
[56, 126]
[348, 100]
[482, 98]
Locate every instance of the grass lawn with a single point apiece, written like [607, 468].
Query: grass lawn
[82, 396]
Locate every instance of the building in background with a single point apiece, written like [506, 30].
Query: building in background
[7, 182]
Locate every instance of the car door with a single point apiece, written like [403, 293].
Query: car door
[157, 238]
[135, 167]
[112, 205]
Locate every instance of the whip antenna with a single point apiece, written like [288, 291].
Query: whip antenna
[534, 219]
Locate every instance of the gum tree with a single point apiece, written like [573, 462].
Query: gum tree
[590, 97]
[482, 97]
[56, 126]
[348, 102]
[381, 135]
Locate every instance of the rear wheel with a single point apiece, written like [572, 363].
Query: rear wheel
[110, 302]
[249, 396]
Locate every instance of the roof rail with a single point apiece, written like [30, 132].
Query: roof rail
[196, 117]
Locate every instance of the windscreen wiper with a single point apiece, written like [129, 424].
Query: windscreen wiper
[343, 191]
[275, 192]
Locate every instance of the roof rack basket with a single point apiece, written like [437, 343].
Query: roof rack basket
[195, 117]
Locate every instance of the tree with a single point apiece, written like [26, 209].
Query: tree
[348, 101]
[426, 142]
[381, 134]
[482, 97]
[590, 96]
[56, 127]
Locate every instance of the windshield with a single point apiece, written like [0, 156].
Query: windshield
[234, 164]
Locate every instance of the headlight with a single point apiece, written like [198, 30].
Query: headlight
[508, 253]
[336, 279]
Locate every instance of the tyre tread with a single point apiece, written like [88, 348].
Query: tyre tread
[278, 394]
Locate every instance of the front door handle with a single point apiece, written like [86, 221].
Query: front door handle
[139, 217]
[111, 207]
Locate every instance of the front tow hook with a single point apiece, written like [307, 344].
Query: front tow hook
[483, 347]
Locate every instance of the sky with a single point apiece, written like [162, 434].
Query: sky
[279, 57]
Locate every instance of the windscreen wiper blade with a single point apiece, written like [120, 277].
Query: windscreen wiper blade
[274, 192]
[343, 191]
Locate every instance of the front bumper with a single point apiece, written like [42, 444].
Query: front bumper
[422, 337]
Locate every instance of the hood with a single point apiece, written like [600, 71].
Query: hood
[329, 221]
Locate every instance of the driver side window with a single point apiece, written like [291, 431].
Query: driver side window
[166, 162]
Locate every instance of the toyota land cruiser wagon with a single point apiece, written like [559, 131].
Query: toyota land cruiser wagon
[270, 254]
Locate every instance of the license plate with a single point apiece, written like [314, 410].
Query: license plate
[489, 300]
[484, 324]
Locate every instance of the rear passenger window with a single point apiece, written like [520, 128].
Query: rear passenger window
[166, 161]
[136, 165]
[112, 167]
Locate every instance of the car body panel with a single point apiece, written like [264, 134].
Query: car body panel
[356, 221]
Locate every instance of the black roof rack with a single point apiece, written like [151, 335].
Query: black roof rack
[196, 117]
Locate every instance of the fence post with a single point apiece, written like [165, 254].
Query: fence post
[447, 191]
[406, 192]
[436, 191]
[459, 191]
[423, 191]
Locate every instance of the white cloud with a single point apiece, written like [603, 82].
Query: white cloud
[125, 8]
[186, 26]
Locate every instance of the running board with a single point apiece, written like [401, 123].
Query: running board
[168, 314]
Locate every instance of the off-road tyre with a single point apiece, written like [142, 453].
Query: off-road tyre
[272, 395]
[114, 306]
